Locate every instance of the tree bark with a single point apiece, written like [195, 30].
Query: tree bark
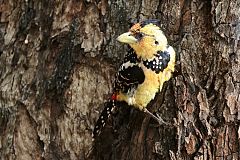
[57, 64]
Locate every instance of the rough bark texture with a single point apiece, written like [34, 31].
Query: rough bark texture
[58, 60]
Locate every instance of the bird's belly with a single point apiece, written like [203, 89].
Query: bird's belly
[144, 93]
[147, 90]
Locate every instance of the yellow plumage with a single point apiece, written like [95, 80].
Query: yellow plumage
[143, 71]
[146, 48]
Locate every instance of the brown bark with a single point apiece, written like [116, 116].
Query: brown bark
[58, 60]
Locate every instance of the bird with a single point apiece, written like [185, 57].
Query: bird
[149, 63]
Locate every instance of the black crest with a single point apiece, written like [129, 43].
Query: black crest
[153, 21]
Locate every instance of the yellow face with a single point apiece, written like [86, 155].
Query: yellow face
[145, 40]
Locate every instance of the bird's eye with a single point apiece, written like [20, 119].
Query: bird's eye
[156, 42]
[139, 35]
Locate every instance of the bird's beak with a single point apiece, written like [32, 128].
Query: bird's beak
[127, 38]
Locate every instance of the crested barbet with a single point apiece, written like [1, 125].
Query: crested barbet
[147, 65]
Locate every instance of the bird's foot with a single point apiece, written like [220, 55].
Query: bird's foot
[157, 117]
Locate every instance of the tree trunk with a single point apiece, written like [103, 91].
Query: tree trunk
[57, 64]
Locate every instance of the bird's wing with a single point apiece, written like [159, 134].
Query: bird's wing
[130, 74]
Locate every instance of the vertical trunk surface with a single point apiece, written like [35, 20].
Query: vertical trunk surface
[58, 60]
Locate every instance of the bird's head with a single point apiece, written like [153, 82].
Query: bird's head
[146, 38]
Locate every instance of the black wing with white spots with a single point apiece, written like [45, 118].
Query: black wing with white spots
[130, 75]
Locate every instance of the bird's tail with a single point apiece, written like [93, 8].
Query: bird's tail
[107, 111]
